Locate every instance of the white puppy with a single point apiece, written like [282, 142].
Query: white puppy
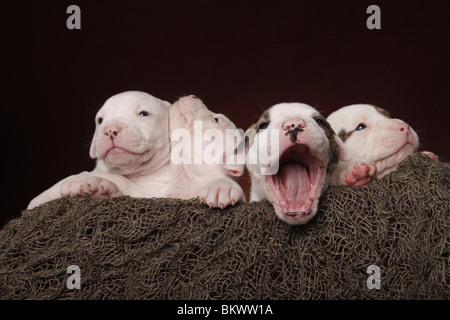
[303, 152]
[132, 149]
[199, 165]
[374, 142]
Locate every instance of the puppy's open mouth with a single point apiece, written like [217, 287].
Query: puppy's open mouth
[297, 184]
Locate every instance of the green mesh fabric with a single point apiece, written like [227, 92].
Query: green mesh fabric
[129, 248]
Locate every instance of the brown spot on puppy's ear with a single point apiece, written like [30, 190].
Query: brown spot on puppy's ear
[253, 126]
[344, 135]
[265, 115]
[251, 132]
[382, 111]
[334, 148]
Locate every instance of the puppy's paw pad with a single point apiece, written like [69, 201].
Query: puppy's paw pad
[72, 187]
[100, 188]
[91, 186]
[221, 193]
[360, 174]
[432, 156]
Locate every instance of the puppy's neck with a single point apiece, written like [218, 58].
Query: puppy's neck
[157, 163]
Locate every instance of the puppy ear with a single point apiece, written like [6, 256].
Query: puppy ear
[166, 104]
[234, 163]
[93, 150]
[249, 136]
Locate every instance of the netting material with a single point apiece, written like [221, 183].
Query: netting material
[169, 249]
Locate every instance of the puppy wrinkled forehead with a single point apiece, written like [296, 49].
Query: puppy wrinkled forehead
[349, 117]
[283, 110]
[224, 121]
[133, 101]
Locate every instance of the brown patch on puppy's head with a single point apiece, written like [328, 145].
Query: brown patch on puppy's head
[262, 123]
[382, 111]
[334, 148]
[344, 135]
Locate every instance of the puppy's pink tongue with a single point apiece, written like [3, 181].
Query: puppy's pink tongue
[295, 180]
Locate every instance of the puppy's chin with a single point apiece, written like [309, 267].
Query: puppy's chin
[297, 218]
[390, 162]
[124, 162]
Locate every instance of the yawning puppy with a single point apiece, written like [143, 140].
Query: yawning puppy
[199, 165]
[375, 143]
[132, 149]
[301, 152]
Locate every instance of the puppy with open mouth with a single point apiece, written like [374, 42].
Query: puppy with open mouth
[303, 152]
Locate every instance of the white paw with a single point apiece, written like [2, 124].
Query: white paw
[221, 193]
[359, 174]
[93, 186]
[433, 156]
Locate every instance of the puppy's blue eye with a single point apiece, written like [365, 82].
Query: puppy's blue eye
[216, 119]
[360, 127]
[143, 114]
[100, 120]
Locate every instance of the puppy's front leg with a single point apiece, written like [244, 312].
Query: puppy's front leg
[54, 192]
[221, 193]
[90, 185]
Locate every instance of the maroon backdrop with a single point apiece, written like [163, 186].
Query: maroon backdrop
[239, 57]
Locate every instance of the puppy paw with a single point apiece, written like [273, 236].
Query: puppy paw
[433, 156]
[359, 174]
[92, 186]
[221, 193]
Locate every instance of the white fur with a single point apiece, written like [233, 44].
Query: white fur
[132, 150]
[313, 135]
[385, 142]
[212, 183]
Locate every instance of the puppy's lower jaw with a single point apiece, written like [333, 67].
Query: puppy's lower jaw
[296, 188]
[390, 163]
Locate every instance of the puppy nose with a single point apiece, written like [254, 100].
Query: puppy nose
[404, 127]
[112, 131]
[401, 126]
[292, 123]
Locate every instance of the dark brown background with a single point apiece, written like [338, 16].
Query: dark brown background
[239, 57]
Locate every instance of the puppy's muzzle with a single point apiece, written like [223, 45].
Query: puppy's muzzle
[292, 127]
[112, 131]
